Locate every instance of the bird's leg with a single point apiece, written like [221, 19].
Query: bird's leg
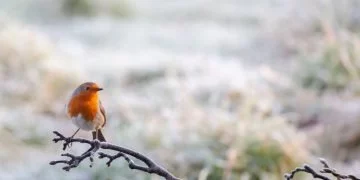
[75, 133]
[70, 144]
[97, 134]
[95, 138]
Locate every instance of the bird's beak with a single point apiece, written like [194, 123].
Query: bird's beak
[99, 89]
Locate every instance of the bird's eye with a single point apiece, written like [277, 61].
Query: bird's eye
[87, 88]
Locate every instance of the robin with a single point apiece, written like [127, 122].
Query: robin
[86, 111]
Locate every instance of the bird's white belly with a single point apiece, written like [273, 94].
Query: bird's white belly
[81, 123]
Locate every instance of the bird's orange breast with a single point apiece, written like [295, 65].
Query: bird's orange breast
[87, 105]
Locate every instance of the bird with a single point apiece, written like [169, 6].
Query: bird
[86, 111]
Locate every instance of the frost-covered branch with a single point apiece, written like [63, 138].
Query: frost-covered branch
[319, 175]
[95, 146]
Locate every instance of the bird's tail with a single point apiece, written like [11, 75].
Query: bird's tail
[100, 135]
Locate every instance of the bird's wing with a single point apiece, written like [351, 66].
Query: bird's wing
[68, 98]
[102, 110]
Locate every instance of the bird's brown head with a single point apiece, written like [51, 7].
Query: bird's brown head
[88, 88]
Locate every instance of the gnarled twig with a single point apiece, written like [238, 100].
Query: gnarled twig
[326, 170]
[151, 166]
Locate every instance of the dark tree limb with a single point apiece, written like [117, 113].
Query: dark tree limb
[318, 175]
[95, 145]
[306, 169]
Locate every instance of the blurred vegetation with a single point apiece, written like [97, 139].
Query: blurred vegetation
[327, 46]
[323, 41]
[26, 70]
[204, 144]
[116, 8]
[336, 67]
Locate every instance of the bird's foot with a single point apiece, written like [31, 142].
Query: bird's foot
[68, 142]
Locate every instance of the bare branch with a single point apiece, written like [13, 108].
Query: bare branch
[326, 170]
[306, 169]
[110, 157]
[151, 166]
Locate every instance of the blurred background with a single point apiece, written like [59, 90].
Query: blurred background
[231, 89]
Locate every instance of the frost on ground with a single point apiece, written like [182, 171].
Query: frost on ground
[189, 86]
